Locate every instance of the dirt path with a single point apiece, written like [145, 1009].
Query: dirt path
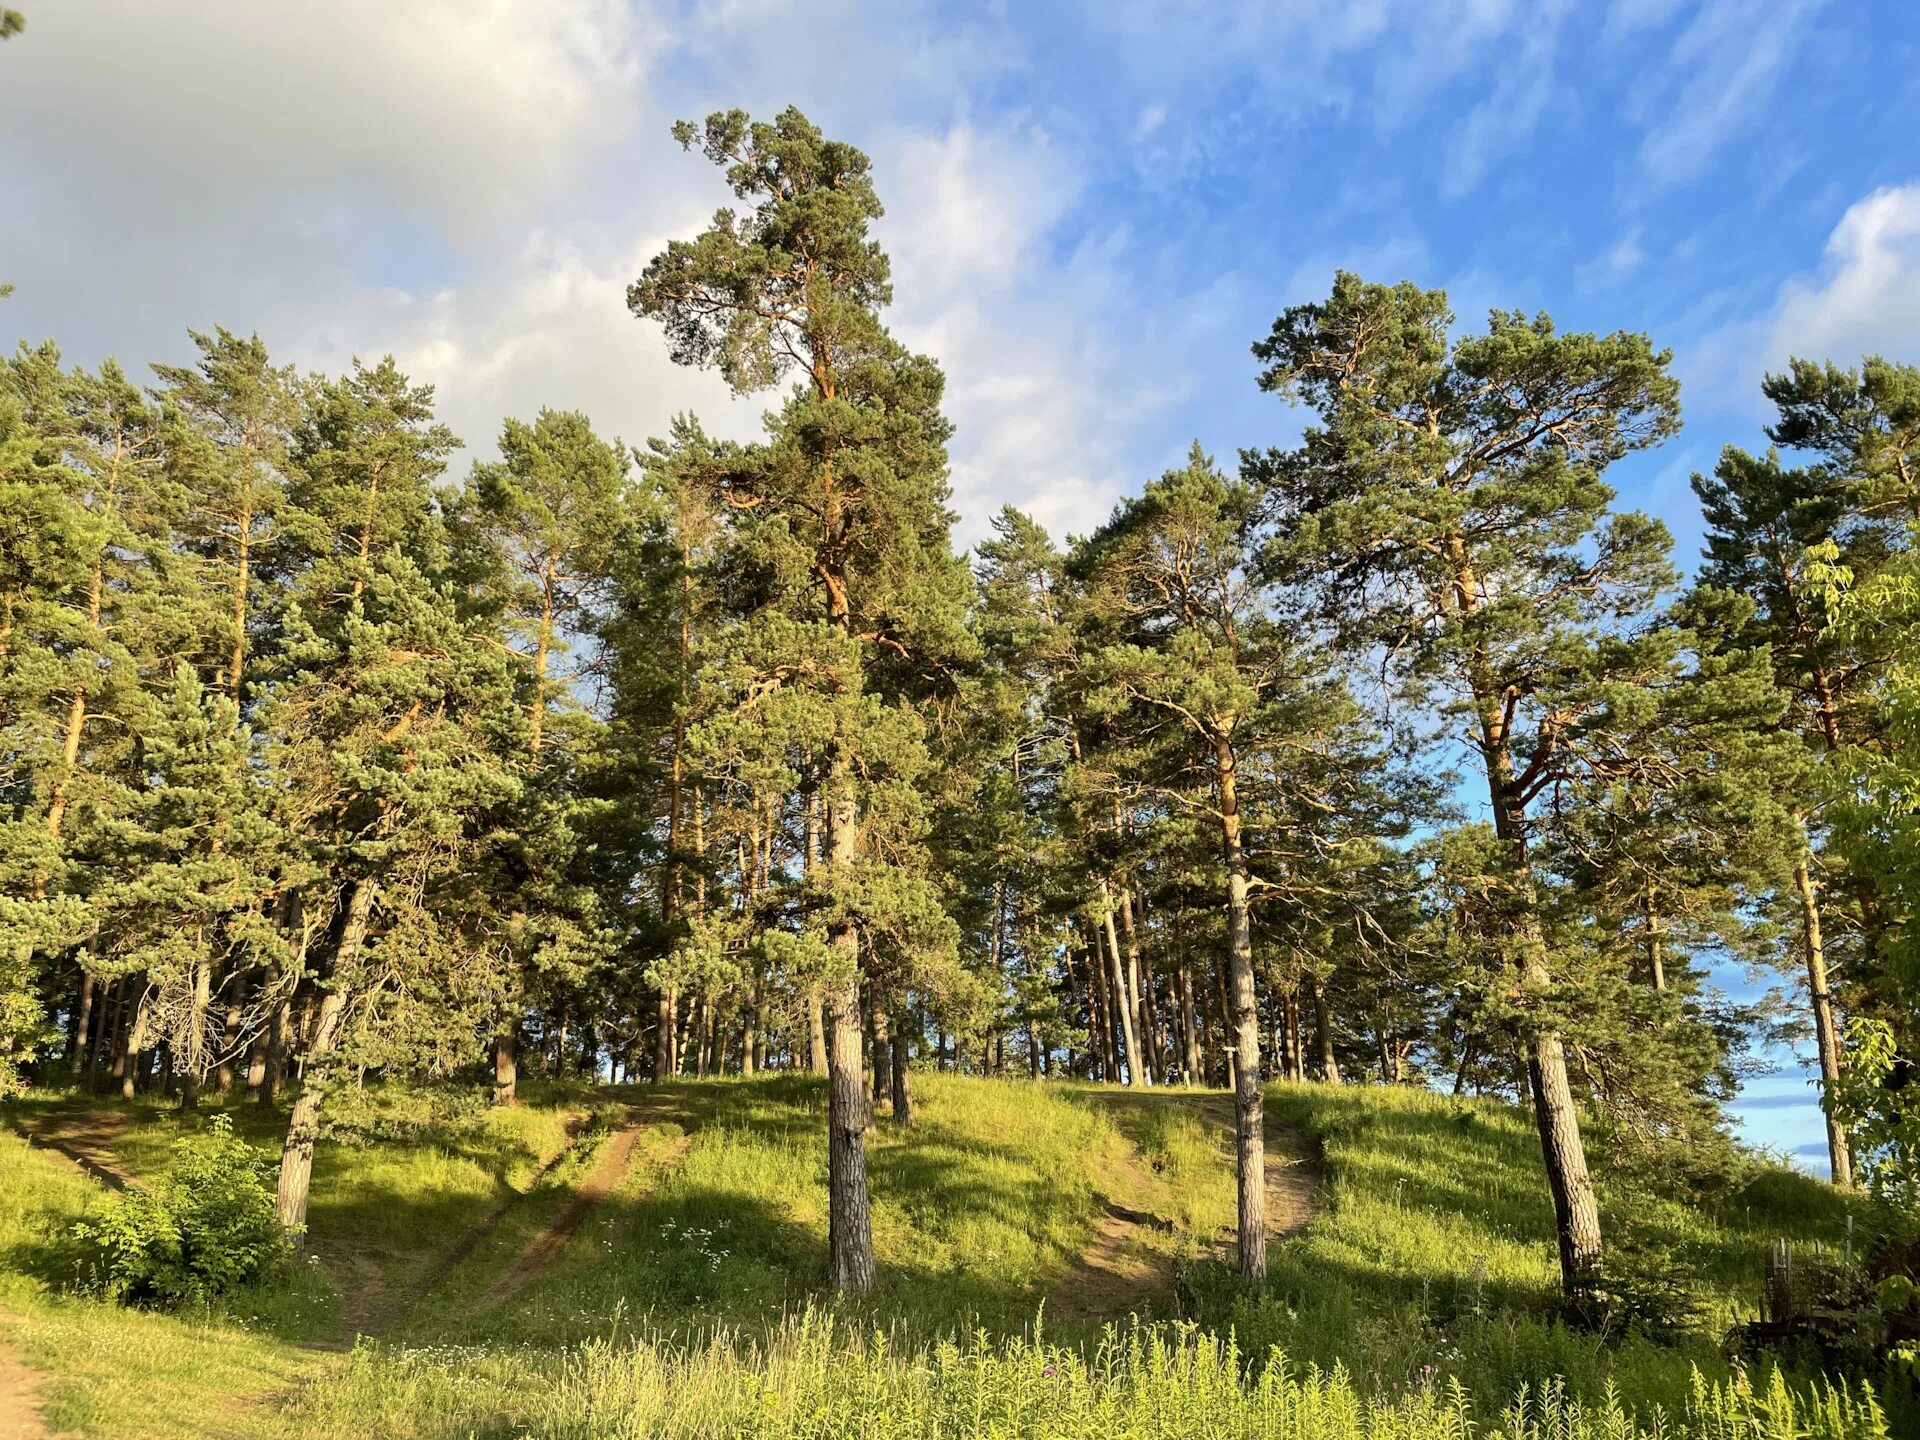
[86, 1139]
[20, 1417]
[540, 1252]
[1123, 1270]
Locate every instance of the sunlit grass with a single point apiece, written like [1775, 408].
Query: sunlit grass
[673, 1311]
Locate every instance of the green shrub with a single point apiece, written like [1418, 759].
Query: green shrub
[206, 1227]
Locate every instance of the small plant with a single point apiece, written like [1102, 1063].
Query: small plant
[206, 1228]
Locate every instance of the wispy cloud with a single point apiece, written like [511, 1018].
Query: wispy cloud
[1721, 69]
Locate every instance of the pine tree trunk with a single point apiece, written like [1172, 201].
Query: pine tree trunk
[303, 1125]
[274, 1071]
[1121, 996]
[905, 1026]
[816, 1033]
[195, 1057]
[82, 1018]
[1323, 1028]
[1248, 1107]
[849, 1110]
[230, 1031]
[1576, 1210]
[1826, 1033]
[134, 1047]
[663, 1037]
[850, 1235]
[1189, 1027]
[506, 1063]
[1139, 1014]
[878, 1046]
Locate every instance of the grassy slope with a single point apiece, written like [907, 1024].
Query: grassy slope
[1432, 1247]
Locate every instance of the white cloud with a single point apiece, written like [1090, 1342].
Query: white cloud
[462, 110]
[1614, 264]
[1864, 299]
[1505, 117]
[1720, 72]
[550, 327]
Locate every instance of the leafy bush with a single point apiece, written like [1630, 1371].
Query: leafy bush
[206, 1227]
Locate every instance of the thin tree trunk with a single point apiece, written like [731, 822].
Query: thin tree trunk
[1117, 989]
[1139, 1014]
[1656, 946]
[1323, 1027]
[1189, 1026]
[905, 1028]
[82, 1017]
[194, 1071]
[1249, 1116]
[230, 1031]
[1826, 1033]
[135, 1043]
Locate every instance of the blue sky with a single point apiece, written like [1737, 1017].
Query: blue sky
[1093, 208]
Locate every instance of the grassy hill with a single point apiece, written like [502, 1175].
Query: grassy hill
[640, 1261]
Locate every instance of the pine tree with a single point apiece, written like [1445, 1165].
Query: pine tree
[1453, 492]
[542, 532]
[1179, 629]
[190, 864]
[228, 420]
[386, 720]
[847, 499]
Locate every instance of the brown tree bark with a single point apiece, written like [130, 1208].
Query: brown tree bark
[1826, 1033]
[82, 1018]
[1119, 992]
[1248, 1107]
[303, 1125]
[1189, 1027]
[1323, 1029]
[506, 1063]
[849, 1110]
[904, 1028]
[1139, 1011]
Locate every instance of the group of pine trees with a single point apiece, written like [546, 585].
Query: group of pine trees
[1399, 754]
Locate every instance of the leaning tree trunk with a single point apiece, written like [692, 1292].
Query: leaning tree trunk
[1576, 1209]
[303, 1126]
[1826, 1033]
[1249, 1118]
[1122, 996]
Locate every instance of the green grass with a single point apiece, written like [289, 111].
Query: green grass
[1432, 1253]
[977, 1210]
[1421, 1296]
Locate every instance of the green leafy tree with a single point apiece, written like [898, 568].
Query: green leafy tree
[1875, 816]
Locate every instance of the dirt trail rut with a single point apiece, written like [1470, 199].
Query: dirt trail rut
[85, 1139]
[20, 1417]
[1123, 1270]
[539, 1253]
